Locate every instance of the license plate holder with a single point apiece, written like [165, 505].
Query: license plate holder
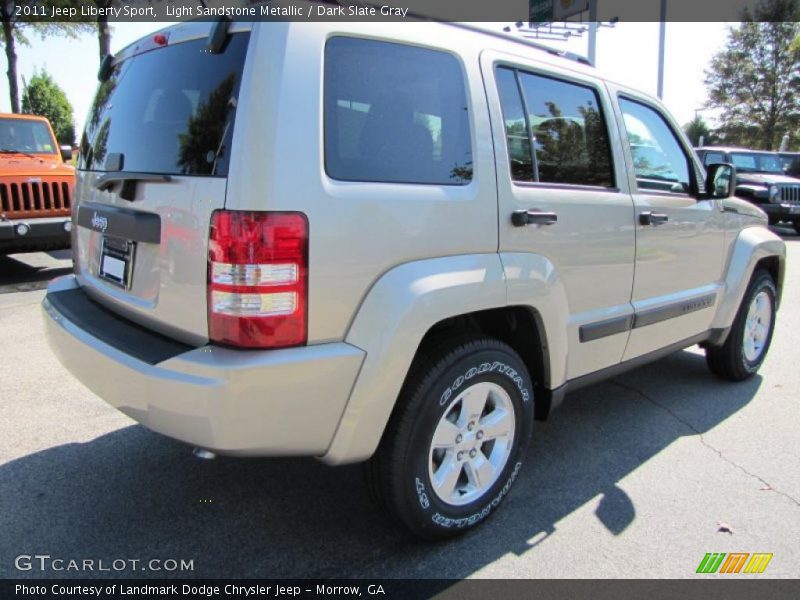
[116, 261]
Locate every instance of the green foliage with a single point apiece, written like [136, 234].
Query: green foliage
[697, 128]
[16, 33]
[44, 97]
[755, 80]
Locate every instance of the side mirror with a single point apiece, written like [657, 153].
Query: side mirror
[720, 181]
[66, 153]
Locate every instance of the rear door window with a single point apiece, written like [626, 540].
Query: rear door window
[395, 113]
[565, 122]
[170, 110]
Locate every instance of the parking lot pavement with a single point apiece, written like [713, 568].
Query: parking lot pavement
[28, 272]
[636, 477]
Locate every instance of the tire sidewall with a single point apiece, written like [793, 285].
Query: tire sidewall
[762, 283]
[495, 366]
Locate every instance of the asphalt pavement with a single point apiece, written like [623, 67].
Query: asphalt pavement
[636, 477]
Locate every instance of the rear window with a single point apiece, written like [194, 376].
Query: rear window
[395, 113]
[169, 111]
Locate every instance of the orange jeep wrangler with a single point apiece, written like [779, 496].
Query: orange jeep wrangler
[35, 186]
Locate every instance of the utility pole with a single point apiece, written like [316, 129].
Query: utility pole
[661, 37]
[592, 31]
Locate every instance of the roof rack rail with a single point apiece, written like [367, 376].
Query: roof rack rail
[468, 26]
[525, 42]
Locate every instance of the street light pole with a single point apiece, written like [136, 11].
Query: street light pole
[661, 38]
[592, 31]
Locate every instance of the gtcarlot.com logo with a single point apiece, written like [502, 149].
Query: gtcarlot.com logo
[46, 563]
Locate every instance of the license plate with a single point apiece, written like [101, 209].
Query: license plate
[116, 261]
[794, 210]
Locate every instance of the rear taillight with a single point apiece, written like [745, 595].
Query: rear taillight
[258, 279]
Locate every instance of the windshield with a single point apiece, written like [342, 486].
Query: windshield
[167, 111]
[751, 162]
[25, 136]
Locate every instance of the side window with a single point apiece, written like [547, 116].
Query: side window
[713, 157]
[569, 133]
[517, 138]
[658, 159]
[564, 121]
[395, 113]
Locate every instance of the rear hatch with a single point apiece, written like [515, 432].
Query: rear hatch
[152, 169]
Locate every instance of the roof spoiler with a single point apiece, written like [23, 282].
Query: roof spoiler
[106, 66]
[218, 35]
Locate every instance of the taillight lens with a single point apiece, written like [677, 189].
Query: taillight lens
[258, 279]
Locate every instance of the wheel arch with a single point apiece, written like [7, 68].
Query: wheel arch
[409, 307]
[755, 248]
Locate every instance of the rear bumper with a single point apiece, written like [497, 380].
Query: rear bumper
[30, 234]
[246, 403]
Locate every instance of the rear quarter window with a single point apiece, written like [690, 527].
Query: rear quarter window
[395, 113]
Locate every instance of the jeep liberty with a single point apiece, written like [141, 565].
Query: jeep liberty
[391, 243]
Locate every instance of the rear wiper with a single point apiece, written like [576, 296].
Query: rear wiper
[9, 151]
[129, 181]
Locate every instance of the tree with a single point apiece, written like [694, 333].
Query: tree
[755, 80]
[16, 30]
[103, 29]
[697, 128]
[43, 97]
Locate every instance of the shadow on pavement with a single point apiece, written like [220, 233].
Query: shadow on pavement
[25, 272]
[786, 232]
[134, 494]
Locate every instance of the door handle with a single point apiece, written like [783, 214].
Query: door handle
[521, 218]
[653, 218]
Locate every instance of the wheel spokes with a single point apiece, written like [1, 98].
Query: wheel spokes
[497, 424]
[473, 401]
[446, 476]
[445, 434]
[480, 471]
[471, 443]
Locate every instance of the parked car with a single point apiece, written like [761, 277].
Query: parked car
[35, 186]
[761, 179]
[368, 271]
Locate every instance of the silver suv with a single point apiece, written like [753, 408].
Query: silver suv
[391, 243]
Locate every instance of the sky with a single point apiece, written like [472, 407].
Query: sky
[626, 53]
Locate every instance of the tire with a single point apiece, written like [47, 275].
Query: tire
[796, 225]
[407, 475]
[745, 349]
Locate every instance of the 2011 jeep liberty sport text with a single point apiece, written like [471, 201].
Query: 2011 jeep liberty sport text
[394, 243]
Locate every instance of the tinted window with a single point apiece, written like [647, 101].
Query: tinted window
[169, 110]
[658, 158]
[395, 113]
[568, 129]
[713, 158]
[517, 140]
[756, 163]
